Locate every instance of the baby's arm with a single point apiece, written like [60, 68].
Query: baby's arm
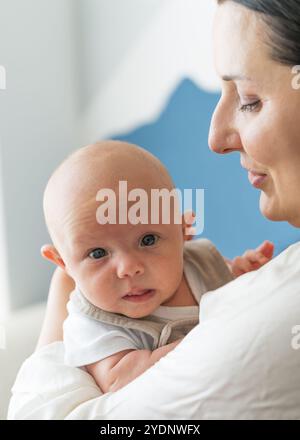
[116, 371]
[251, 260]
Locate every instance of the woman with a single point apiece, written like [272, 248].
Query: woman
[258, 114]
[245, 330]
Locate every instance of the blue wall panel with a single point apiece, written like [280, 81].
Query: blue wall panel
[179, 138]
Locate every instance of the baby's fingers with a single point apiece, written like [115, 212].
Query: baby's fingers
[256, 258]
[241, 265]
[188, 219]
[266, 248]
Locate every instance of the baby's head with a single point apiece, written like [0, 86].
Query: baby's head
[129, 269]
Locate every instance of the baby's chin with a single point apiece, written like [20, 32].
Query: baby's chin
[138, 311]
[136, 315]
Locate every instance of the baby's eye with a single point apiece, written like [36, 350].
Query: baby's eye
[98, 253]
[149, 240]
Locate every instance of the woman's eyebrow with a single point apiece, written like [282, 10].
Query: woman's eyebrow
[235, 77]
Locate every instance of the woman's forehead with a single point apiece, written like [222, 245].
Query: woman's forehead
[240, 51]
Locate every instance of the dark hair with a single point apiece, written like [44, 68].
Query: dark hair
[283, 20]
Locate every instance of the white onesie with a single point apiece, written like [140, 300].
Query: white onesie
[92, 334]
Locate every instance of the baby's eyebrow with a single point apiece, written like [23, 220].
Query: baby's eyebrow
[84, 241]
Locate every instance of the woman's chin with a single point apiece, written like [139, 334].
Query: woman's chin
[270, 209]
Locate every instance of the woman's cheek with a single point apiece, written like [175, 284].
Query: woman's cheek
[260, 145]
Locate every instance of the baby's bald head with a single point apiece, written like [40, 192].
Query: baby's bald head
[81, 175]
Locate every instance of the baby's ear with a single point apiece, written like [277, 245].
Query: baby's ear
[49, 252]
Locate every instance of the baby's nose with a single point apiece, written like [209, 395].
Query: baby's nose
[129, 267]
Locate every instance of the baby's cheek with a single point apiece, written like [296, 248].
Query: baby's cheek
[174, 273]
[90, 288]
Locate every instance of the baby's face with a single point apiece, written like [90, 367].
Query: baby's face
[126, 269]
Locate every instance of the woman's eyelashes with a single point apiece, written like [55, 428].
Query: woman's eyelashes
[250, 107]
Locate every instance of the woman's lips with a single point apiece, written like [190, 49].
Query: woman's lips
[256, 179]
[143, 295]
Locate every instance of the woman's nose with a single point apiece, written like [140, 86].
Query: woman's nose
[224, 136]
[129, 266]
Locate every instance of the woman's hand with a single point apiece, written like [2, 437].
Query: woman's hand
[56, 312]
[251, 259]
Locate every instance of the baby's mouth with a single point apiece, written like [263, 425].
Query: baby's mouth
[138, 294]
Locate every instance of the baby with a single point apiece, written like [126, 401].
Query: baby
[138, 286]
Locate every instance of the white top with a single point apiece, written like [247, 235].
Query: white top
[241, 362]
[88, 340]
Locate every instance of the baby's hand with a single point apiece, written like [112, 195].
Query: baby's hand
[188, 219]
[252, 259]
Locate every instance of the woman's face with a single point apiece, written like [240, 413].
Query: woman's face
[258, 114]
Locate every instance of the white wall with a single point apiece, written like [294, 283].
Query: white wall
[4, 279]
[57, 53]
[173, 43]
[66, 61]
[79, 70]
[106, 30]
[37, 128]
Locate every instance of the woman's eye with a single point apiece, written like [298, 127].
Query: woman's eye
[149, 240]
[250, 107]
[98, 253]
